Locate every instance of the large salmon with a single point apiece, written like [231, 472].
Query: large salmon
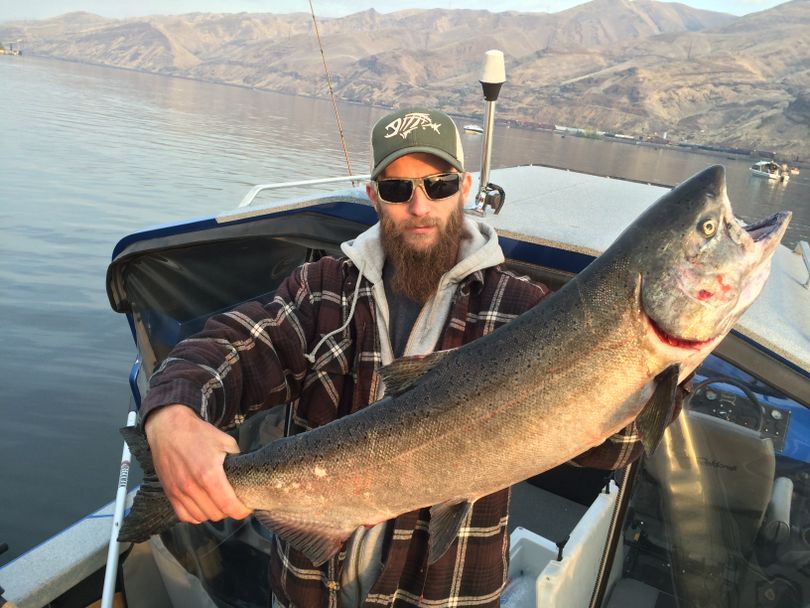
[458, 425]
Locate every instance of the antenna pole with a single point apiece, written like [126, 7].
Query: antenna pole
[493, 75]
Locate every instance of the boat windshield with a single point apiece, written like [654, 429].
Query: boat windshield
[720, 514]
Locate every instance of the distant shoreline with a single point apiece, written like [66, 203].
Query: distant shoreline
[499, 121]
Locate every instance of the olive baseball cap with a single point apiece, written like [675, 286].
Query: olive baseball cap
[412, 130]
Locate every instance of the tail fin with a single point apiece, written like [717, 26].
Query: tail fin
[151, 512]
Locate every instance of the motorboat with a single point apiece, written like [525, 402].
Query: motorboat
[770, 170]
[720, 511]
[473, 129]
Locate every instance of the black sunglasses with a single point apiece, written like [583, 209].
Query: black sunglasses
[399, 191]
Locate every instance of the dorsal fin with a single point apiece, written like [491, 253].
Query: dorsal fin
[403, 373]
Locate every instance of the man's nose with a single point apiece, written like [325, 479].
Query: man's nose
[419, 204]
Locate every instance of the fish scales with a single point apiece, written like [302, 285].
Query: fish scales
[477, 417]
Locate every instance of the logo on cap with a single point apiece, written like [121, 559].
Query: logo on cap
[404, 125]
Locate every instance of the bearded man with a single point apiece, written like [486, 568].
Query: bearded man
[424, 278]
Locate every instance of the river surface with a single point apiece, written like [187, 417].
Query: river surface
[92, 154]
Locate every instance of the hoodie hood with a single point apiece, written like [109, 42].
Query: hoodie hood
[479, 250]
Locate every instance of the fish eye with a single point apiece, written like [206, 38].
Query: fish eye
[708, 227]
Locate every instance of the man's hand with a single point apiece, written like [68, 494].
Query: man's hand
[188, 454]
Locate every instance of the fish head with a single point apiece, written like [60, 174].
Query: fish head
[702, 267]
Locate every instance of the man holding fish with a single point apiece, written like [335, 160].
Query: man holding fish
[405, 502]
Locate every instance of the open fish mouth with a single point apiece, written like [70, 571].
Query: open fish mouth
[765, 228]
[671, 340]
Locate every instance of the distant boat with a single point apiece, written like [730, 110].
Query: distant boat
[474, 129]
[770, 170]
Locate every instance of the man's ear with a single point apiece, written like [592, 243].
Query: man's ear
[466, 185]
[371, 192]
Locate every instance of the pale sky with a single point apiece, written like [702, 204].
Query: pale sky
[42, 9]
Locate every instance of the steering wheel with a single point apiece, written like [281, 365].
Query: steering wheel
[760, 415]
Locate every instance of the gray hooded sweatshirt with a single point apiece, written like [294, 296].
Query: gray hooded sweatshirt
[479, 250]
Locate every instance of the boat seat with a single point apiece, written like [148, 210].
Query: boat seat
[542, 574]
[716, 480]
[713, 472]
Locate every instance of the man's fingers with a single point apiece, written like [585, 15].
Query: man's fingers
[202, 507]
[229, 444]
[183, 514]
[221, 492]
[195, 506]
[207, 507]
[185, 503]
[188, 455]
[205, 494]
[231, 506]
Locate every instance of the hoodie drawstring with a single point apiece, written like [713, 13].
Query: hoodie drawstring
[310, 356]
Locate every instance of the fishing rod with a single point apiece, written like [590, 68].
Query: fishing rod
[113, 548]
[331, 90]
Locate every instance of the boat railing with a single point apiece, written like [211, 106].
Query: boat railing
[804, 249]
[251, 195]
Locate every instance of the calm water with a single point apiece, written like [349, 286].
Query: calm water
[92, 154]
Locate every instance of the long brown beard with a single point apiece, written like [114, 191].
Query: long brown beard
[417, 273]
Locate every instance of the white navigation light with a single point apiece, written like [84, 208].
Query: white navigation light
[493, 71]
[493, 74]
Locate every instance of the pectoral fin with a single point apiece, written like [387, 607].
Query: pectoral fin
[654, 418]
[446, 520]
[317, 542]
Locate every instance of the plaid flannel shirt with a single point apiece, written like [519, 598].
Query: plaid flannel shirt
[253, 358]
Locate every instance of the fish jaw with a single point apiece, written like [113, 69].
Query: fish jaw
[665, 349]
[674, 341]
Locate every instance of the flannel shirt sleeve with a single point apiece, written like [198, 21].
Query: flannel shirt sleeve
[245, 360]
[622, 448]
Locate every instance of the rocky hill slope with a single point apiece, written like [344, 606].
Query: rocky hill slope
[636, 67]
